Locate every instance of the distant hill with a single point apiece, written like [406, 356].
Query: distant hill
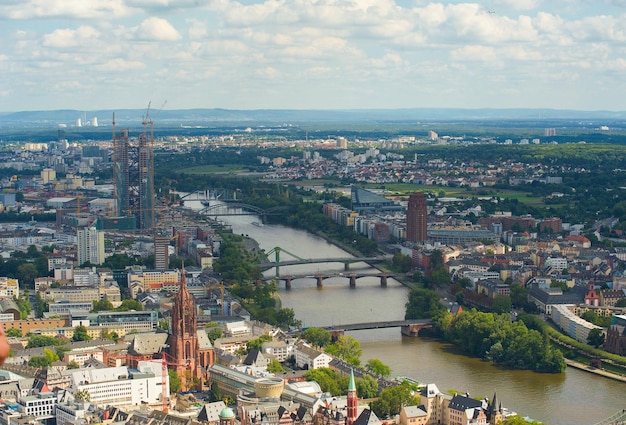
[209, 117]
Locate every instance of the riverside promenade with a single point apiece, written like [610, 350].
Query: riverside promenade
[601, 372]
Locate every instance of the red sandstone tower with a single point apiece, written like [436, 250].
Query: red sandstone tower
[190, 351]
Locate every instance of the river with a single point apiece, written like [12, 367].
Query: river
[572, 398]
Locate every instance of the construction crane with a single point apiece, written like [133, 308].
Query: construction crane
[164, 365]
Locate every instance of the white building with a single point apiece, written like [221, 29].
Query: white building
[90, 246]
[121, 386]
[9, 287]
[557, 263]
[310, 358]
[71, 412]
[574, 326]
[41, 405]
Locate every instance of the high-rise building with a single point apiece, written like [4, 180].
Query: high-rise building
[133, 175]
[90, 246]
[416, 218]
[161, 252]
[146, 181]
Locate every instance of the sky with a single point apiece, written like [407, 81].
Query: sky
[312, 54]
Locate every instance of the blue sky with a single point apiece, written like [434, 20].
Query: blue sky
[312, 54]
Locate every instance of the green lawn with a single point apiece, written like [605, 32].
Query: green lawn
[215, 169]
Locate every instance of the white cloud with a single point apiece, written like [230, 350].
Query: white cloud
[474, 53]
[120, 64]
[515, 4]
[78, 9]
[64, 38]
[321, 47]
[156, 29]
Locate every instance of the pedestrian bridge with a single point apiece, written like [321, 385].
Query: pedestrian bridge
[617, 419]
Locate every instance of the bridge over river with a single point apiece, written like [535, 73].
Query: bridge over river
[321, 277]
[408, 327]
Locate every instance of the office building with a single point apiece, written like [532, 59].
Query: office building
[416, 218]
[161, 252]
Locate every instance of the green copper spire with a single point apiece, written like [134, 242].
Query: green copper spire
[351, 386]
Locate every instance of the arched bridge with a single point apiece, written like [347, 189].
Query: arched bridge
[320, 278]
[298, 261]
[224, 195]
[238, 208]
[408, 327]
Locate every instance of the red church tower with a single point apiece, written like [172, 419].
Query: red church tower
[190, 352]
[352, 401]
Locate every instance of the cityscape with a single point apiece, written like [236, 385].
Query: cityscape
[312, 212]
[124, 301]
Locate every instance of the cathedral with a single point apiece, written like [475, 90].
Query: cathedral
[190, 350]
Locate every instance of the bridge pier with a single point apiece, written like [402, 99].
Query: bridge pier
[352, 281]
[334, 335]
[383, 281]
[346, 266]
[413, 330]
[287, 282]
[320, 281]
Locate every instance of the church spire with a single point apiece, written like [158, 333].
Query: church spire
[352, 401]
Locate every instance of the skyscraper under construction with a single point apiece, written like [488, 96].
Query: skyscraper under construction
[133, 175]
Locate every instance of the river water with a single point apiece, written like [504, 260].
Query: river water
[572, 398]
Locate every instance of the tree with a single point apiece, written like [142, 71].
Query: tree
[621, 302]
[401, 263]
[391, 400]
[175, 383]
[216, 393]
[214, 331]
[35, 341]
[27, 273]
[366, 387]
[422, 304]
[317, 336]
[518, 420]
[50, 355]
[378, 368]
[80, 334]
[82, 395]
[102, 305]
[129, 305]
[274, 366]
[73, 365]
[346, 348]
[596, 337]
[14, 333]
[286, 317]
[501, 304]
[257, 344]
[38, 362]
[23, 304]
[329, 380]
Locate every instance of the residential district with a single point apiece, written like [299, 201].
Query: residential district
[119, 373]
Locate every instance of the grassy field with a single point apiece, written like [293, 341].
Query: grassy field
[215, 169]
